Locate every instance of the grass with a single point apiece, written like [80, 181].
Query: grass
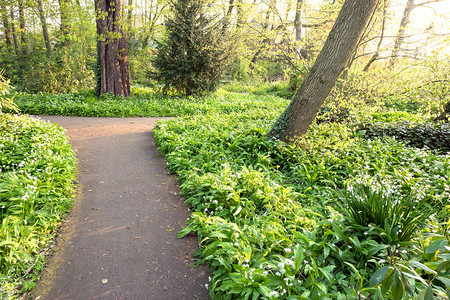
[37, 171]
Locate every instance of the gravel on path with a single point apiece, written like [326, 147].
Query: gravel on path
[119, 242]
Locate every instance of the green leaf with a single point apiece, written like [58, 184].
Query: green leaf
[421, 266]
[378, 276]
[428, 293]
[265, 290]
[436, 245]
[298, 254]
[397, 288]
[444, 280]
[445, 265]
[386, 285]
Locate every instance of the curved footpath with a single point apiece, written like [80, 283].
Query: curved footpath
[119, 241]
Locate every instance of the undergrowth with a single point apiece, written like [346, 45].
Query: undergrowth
[274, 221]
[37, 172]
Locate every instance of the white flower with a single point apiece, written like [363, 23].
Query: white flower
[287, 250]
[236, 235]
[290, 262]
[274, 294]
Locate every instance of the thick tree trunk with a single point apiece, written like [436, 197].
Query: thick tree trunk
[341, 43]
[41, 14]
[112, 49]
[6, 27]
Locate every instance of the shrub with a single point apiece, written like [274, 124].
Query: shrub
[434, 136]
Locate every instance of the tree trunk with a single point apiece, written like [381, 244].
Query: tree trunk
[401, 30]
[298, 20]
[22, 28]
[41, 14]
[341, 43]
[6, 27]
[13, 32]
[380, 42]
[266, 40]
[112, 49]
[65, 27]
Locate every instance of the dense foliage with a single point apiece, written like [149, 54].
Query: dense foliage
[430, 135]
[192, 57]
[340, 217]
[37, 170]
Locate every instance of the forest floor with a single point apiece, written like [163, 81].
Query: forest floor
[119, 241]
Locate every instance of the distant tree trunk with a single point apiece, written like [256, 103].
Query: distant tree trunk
[65, 27]
[380, 42]
[22, 28]
[401, 30]
[341, 43]
[112, 49]
[41, 14]
[13, 32]
[6, 27]
[258, 53]
[298, 20]
[240, 13]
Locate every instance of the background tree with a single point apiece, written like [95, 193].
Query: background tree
[195, 52]
[341, 43]
[112, 51]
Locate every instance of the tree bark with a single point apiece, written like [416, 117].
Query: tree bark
[6, 27]
[13, 32]
[298, 20]
[409, 7]
[22, 27]
[341, 43]
[380, 42]
[41, 14]
[112, 49]
[65, 27]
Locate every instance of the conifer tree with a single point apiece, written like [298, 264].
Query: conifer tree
[191, 59]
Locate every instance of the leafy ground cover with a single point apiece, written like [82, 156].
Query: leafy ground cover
[345, 214]
[278, 221]
[37, 171]
[144, 103]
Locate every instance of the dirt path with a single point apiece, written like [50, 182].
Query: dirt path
[120, 240]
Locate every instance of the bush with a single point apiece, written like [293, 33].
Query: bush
[434, 136]
[4, 90]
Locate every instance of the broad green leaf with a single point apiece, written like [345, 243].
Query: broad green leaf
[386, 285]
[444, 280]
[378, 276]
[428, 293]
[445, 265]
[397, 288]
[298, 254]
[436, 245]
[421, 266]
